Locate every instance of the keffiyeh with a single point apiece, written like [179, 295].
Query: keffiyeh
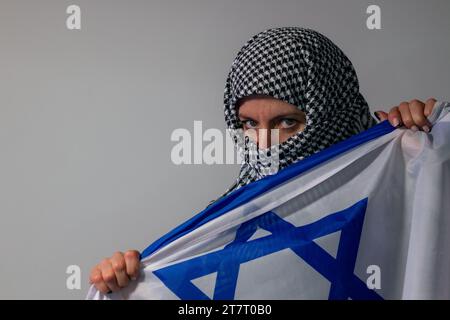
[304, 68]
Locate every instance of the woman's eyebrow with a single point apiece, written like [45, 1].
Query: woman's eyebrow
[242, 115]
[288, 114]
[296, 115]
[282, 115]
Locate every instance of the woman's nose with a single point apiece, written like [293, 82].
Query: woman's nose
[267, 137]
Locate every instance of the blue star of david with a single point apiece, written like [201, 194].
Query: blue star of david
[226, 262]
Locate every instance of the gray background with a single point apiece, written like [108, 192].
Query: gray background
[86, 116]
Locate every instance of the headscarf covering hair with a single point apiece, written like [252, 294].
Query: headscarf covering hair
[304, 68]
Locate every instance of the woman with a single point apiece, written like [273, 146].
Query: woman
[295, 82]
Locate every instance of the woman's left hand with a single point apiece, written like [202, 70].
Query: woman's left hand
[412, 115]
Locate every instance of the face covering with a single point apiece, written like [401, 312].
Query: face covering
[304, 68]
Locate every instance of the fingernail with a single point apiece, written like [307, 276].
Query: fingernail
[414, 128]
[426, 128]
[395, 122]
[376, 115]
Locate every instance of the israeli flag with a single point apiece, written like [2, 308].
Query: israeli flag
[367, 218]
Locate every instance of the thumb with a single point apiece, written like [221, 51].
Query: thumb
[381, 115]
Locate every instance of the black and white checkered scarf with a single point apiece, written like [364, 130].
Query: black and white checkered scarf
[304, 68]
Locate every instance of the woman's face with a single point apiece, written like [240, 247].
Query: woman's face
[260, 114]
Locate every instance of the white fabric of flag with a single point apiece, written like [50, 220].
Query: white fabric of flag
[367, 218]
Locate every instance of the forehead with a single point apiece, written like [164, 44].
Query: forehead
[257, 104]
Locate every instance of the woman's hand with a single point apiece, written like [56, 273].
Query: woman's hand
[412, 115]
[114, 273]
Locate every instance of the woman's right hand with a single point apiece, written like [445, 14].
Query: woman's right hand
[114, 273]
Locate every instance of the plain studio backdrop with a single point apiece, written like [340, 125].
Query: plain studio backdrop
[86, 115]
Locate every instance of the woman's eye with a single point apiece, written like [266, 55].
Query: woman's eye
[288, 123]
[250, 123]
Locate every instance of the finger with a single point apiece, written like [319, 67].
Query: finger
[108, 275]
[132, 263]
[407, 118]
[119, 267]
[416, 108]
[395, 117]
[97, 280]
[381, 115]
[429, 105]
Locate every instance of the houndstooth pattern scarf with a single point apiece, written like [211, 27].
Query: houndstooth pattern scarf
[304, 68]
